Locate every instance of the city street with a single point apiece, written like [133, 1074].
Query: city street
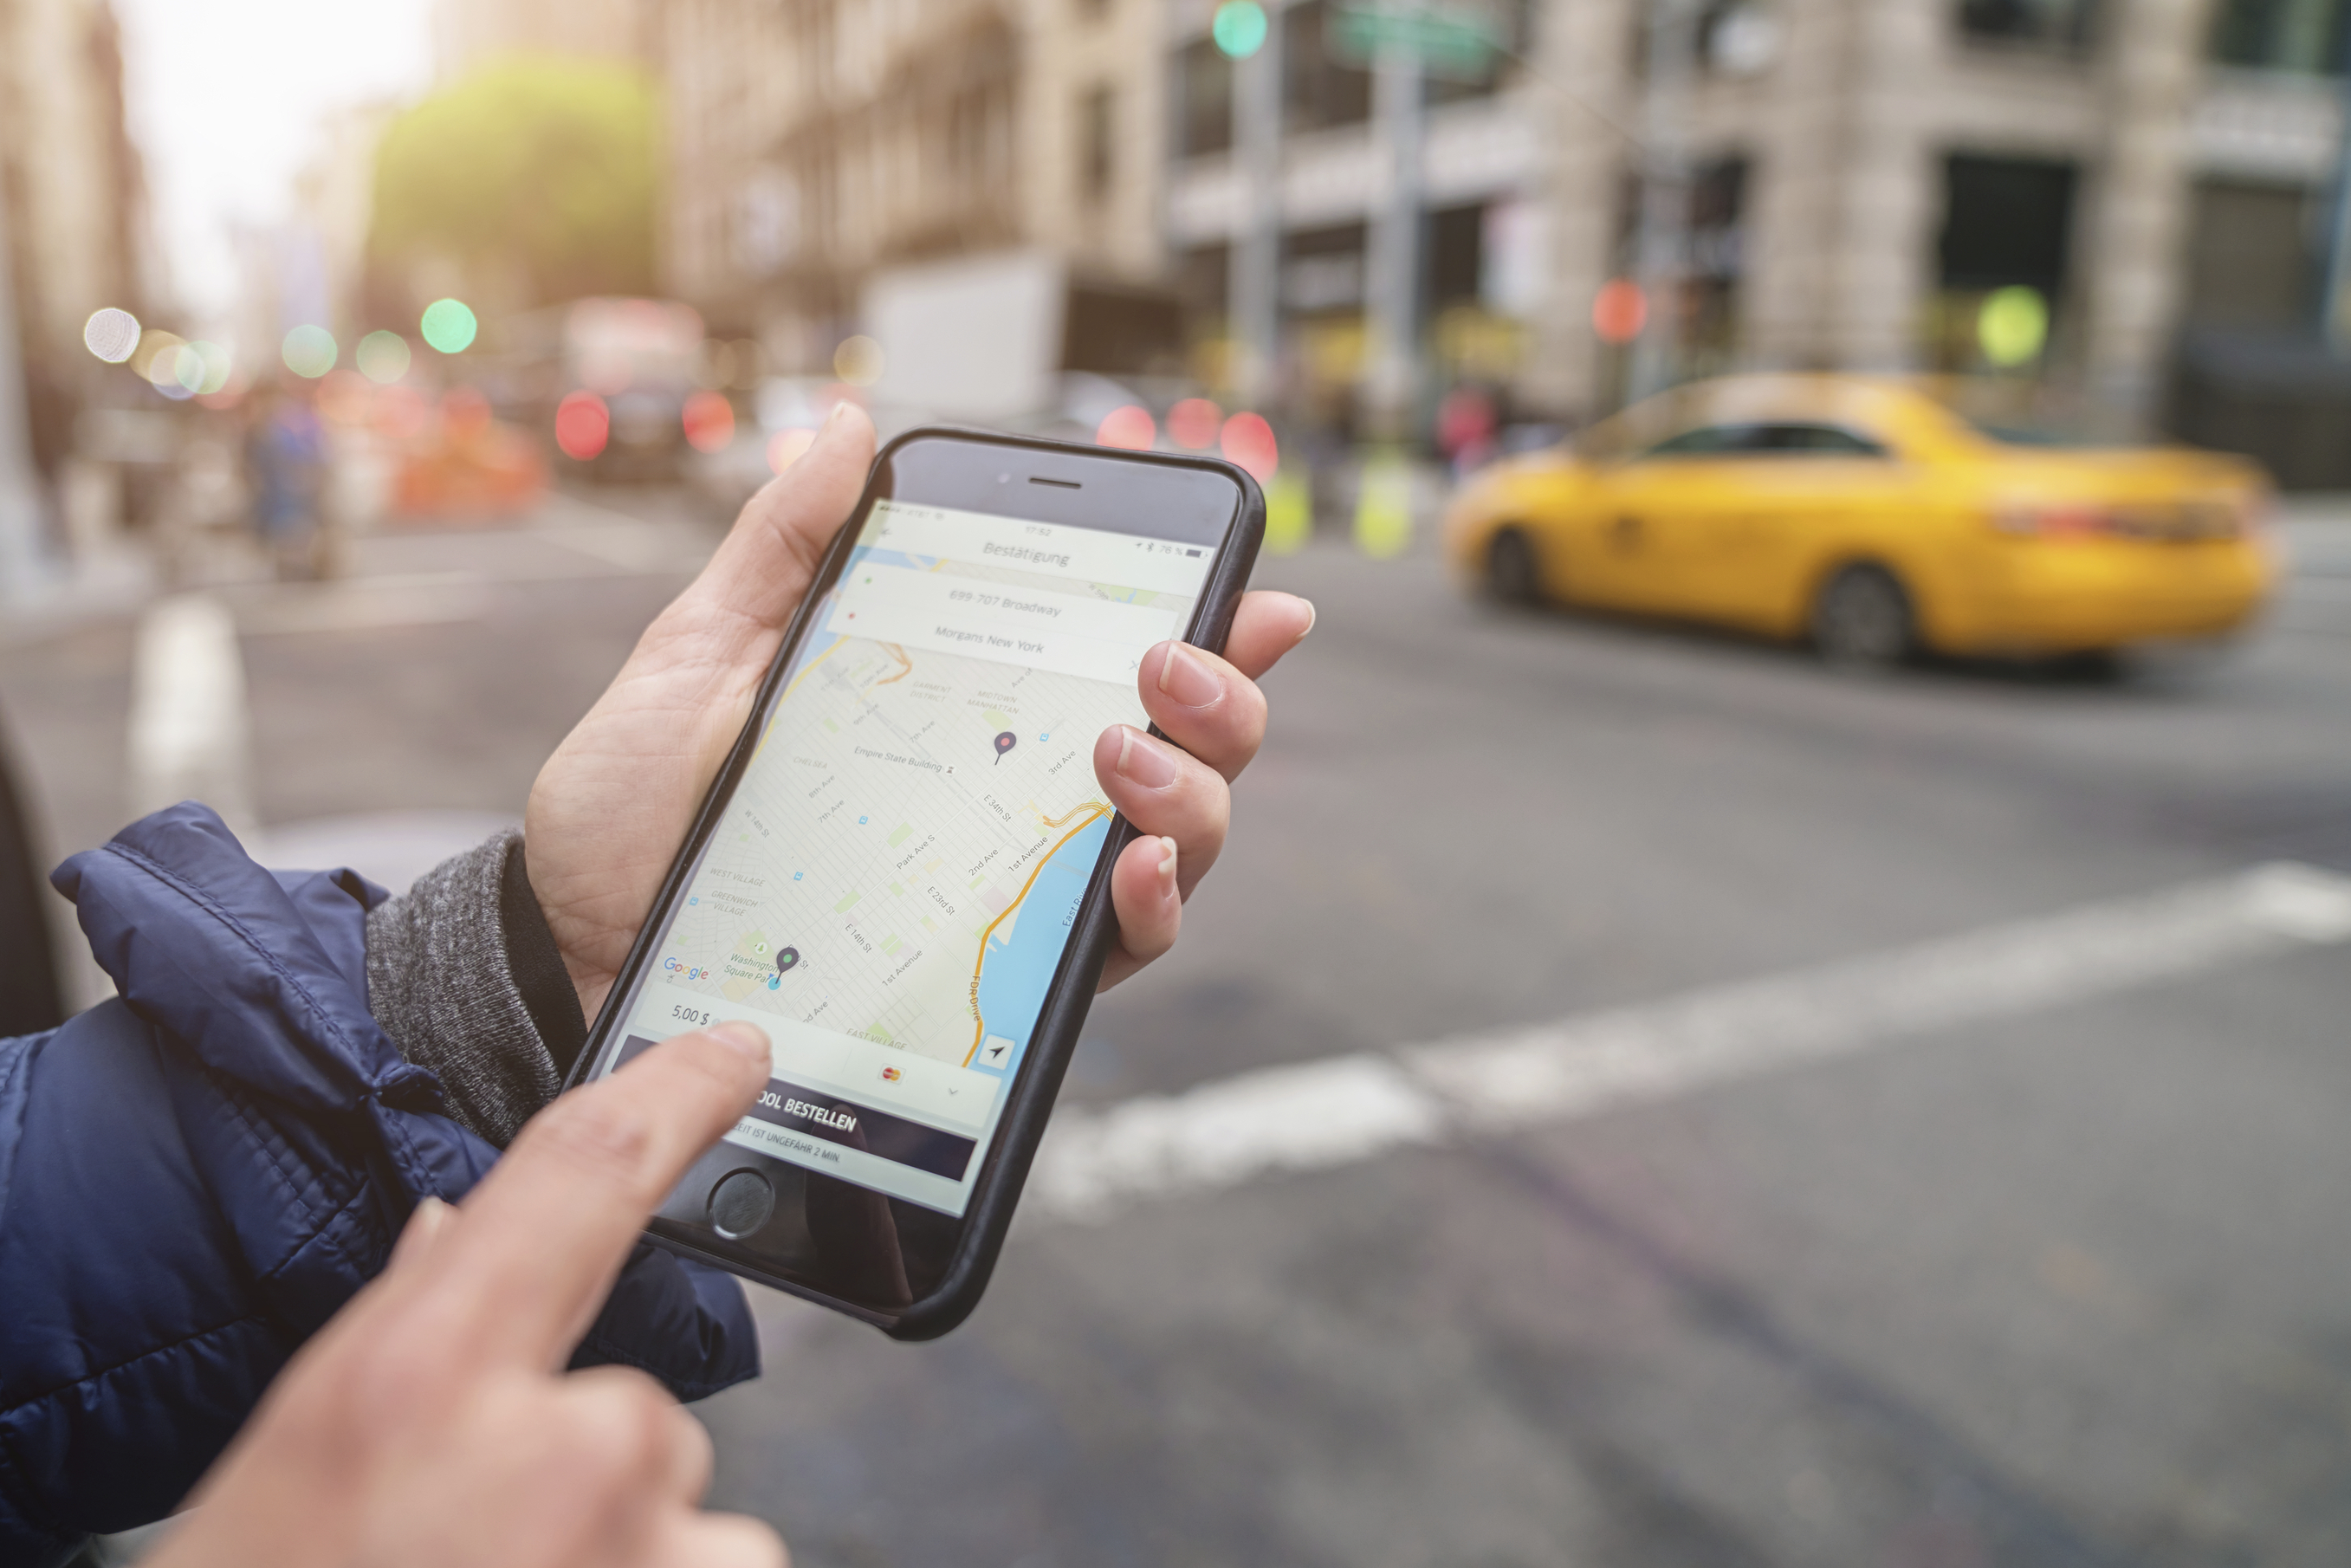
[2051, 1270]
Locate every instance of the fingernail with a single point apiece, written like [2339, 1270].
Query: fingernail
[416, 1238]
[1142, 760]
[833, 418]
[1309, 620]
[1188, 679]
[747, 1038]
[1167, 867]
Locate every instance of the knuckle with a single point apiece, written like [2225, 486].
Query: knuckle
[623, 1423]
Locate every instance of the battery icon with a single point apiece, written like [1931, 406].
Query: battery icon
[1191, 552]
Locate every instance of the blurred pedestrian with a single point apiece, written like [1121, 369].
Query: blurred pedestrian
[285, 462]
[1467, 421]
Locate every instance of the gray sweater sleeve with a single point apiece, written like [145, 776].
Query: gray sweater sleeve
[464, 975]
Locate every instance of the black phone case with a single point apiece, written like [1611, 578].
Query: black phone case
[1038, 1084]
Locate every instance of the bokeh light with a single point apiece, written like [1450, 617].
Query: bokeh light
[449, 326]
[1619, 311]
[1129, 427]
[709, 421]
[382, 357]
[1239, 28]
[400, 414]
[2012, 326]
[1289, 514]
[309, 350]
[582, 425]
[1193, 423]
[216, 364]
[157, 361]
[1248, 443]
[154, 344]
[176, 371]
[858, 361]
[1383, 505]
[346, 397]
[464, 412]
[784, 448]
[110, 334]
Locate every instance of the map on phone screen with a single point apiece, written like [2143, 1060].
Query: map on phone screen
[891, 888]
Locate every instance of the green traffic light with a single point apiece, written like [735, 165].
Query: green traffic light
[1239, 28]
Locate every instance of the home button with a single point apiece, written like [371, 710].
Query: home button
[740, 1203]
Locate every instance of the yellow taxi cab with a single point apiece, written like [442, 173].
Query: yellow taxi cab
[1869, 517]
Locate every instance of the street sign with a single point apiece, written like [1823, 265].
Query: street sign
[1447, 43]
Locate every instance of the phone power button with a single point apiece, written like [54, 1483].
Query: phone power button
[740, 1203]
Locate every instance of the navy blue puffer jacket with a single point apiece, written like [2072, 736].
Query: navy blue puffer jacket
[194, 1175]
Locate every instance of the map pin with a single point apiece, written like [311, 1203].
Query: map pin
[785, 957]
[1004, 743]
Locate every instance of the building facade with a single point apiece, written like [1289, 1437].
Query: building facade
[815, 142]
[76, 193]
[1852, 178]
[1845, 182]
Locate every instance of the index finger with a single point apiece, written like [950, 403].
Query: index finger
[536, 1246]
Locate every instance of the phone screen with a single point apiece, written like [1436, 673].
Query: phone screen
[889, 889]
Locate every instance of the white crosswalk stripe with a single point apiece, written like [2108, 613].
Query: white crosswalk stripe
[1343, 1109]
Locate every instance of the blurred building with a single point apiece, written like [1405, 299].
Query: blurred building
[814, 142]
[76, 194]
[467, 32]
[1855, 178]
[1847, 183]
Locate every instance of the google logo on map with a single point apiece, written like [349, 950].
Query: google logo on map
[672, 967]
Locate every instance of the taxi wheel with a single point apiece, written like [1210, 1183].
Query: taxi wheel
[1512, 574]
[1863, 616]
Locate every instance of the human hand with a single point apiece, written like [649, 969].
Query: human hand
[611, 806]
[431, 1421]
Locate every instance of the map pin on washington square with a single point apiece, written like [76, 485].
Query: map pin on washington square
[1004, 743]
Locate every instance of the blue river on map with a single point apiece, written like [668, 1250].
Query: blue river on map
[1018, 970]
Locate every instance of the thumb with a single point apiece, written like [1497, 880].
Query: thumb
[765, 565]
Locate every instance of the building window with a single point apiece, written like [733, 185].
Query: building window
[2049, 23]
[2282, 35]
[1203, 281]
[1514, 22]
[1323, 270]
[1318, 88]
[1203, 100]
[2007, 223]
[2250, 266]
[1096, 128]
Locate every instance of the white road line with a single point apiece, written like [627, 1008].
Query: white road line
[1349, 1108]
[188, 737]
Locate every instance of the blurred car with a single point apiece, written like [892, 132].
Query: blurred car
[461, 464]
[633, 362]
[1869, 517]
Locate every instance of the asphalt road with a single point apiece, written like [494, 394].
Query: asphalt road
[2069, 1285]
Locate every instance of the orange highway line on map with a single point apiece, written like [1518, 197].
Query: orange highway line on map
[1092, 809]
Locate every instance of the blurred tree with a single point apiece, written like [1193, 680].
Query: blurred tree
[544, 168]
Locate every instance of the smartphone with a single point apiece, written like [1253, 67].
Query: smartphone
[903, 872]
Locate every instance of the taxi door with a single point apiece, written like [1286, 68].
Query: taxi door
[1788, 494]
[1659, 516]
